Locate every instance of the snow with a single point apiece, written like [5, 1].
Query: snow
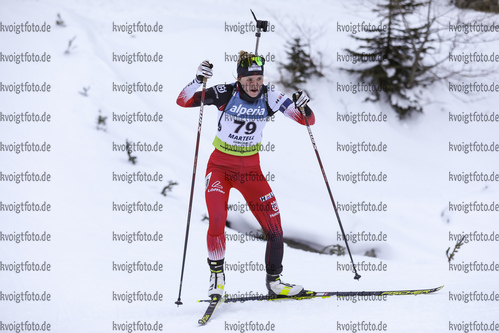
[81, 192]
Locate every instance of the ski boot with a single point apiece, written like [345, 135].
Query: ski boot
[278, 288]
[217, 277]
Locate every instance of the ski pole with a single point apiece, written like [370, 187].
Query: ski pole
[179, 302]
[302, 110]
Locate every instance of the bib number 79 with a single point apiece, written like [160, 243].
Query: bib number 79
[250, 127]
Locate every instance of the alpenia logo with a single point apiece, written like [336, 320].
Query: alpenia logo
[240, 110]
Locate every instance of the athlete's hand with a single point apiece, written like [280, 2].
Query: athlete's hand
[301, 99]
[205, 70]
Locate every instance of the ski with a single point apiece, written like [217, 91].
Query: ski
[308, 294]
[214, 303]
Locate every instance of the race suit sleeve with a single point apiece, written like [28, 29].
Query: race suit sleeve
[217, 95]
[278, 101]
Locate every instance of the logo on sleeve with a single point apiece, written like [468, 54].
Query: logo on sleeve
[221, 88]
[267, 197]
[281, 95]
[275, 208]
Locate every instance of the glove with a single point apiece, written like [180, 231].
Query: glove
[301, 99]
[205, 70]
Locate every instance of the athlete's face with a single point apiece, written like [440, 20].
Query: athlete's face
[252, 84]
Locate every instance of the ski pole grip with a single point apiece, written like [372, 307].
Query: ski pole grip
[296, 95]
[205, 79]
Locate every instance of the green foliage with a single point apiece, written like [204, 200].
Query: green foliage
[131, 159]
[371, 253]
[71, 46]
[334, 250]
[488, 6]
[398, 53]
[101, 122]
[300, 66]
[60, 22]
[458, 245]
[169, 187]
[84, 91]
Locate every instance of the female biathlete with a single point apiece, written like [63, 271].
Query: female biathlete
[243, 110]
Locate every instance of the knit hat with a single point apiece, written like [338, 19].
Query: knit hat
[249, 65]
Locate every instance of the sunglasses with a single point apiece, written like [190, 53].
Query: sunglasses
[247, 62]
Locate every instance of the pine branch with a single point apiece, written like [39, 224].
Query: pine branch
[458, 245]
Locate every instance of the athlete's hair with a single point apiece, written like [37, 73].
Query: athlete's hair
[243, 55]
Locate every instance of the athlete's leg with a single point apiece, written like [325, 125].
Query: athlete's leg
[216, 196]
[263, 204]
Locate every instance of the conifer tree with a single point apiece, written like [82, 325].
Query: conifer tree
[395, 53]
[300, 66]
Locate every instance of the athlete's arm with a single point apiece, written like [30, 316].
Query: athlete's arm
[278, 101]
[217, 95]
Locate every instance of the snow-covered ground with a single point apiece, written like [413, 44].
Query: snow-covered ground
[84, 252]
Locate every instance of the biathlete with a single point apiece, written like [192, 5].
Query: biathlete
[243, 110]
